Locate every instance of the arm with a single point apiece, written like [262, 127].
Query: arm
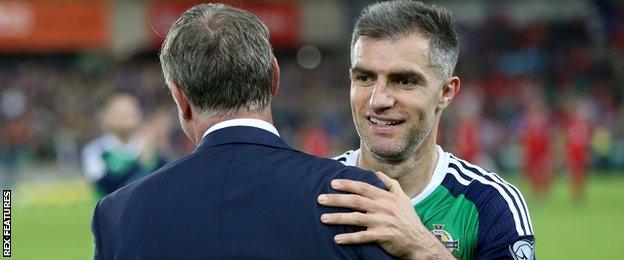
[388, 216]
[498, 238]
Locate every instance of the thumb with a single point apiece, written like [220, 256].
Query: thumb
[392, 184]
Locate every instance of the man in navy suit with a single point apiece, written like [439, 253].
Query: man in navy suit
[243, 193]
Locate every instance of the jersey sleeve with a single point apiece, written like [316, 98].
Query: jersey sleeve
[502, 235]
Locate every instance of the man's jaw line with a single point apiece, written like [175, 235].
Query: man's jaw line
[407, 167]
[413, 155]
[394, 159]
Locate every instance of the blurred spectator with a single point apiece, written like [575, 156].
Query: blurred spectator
[123, 154]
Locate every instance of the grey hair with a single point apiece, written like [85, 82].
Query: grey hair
[396, 19]
[220, 58]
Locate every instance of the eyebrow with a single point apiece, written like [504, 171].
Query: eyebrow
[361, 70]
[415, 74]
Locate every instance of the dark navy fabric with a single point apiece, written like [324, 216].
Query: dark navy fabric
[242, 194]
[497, 234]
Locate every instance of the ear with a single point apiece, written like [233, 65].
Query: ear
[276, 77]
[184, 106]
[449, 90]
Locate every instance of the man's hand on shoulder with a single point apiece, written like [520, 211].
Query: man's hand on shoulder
[388, 216]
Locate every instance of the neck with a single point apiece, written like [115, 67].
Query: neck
[203, 124]
[122, 137]
[413, 173]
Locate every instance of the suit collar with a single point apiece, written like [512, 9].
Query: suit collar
[241, 134]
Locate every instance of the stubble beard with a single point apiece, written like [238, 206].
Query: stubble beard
[408, 147]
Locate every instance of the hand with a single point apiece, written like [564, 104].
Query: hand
[388, 216]
[147, 147]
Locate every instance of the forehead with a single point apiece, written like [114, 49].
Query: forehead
[387, 55]
[122, 105]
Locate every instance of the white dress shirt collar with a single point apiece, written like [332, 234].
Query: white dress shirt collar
[252, 122]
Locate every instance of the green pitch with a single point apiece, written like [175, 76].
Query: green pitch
[52, 221]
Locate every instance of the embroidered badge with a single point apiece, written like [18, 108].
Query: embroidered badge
[445, 237]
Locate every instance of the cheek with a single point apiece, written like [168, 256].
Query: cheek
[415, 105]
[352, 94]
[359, 98]
[434, 103]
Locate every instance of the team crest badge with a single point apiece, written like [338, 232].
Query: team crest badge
[445, 237]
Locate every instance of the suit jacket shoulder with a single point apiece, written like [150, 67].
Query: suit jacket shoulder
[243, 194]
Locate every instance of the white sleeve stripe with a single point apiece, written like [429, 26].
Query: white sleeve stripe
[517, 196]
[458, 177]
[511, 189]
[501, 191]
[526, 208]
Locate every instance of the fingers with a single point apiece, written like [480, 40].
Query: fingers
[356, 238]
[384, 178]
[351, 218]
[351, 201]
[358, 187]
[392, 184]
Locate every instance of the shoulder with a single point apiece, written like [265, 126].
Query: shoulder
[357, 174]
[492, 195]
[504, 220]
[93, 164]
[349, 159]
[344, 168]
[94, 147]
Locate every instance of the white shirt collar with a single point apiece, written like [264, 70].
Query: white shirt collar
[112, 142]
[252, 122]
[436, 178]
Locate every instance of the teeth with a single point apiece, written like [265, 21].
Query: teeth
[381, 122]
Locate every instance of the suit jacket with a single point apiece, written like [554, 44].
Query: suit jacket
[242, 194]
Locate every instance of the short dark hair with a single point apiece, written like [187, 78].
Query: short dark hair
[396, 19]
[220, 58]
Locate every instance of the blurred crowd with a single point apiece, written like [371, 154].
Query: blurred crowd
[567, 75]
[531, 89]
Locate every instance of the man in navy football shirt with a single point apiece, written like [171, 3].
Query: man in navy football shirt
[403, 56]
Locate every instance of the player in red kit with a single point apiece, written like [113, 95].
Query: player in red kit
[536, 148]
[578, 135]
[467, 140]
[468, 130]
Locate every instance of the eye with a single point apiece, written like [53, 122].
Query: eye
[405, 82]
[363, 79]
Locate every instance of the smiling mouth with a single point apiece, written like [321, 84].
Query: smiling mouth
[380, 122]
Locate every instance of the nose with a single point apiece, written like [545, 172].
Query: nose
[382, 97]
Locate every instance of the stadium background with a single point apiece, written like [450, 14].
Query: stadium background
[60, 59]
